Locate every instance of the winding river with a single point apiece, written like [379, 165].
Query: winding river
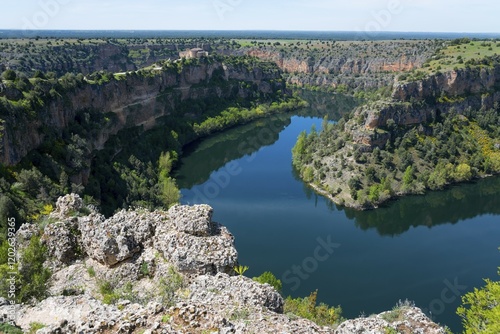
[428, 249]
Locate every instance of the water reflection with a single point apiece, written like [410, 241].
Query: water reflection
[326, 104]
[435, 208]
[210, 154]
[202, 158]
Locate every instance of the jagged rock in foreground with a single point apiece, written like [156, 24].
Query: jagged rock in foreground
[405, 319]
[166, 272]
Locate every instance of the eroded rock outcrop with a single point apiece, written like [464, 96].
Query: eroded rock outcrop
[404, 319]
[166, 272]
[423, 101]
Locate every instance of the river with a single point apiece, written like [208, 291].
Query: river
[428, 249]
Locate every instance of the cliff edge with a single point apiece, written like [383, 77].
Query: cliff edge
[160, 272]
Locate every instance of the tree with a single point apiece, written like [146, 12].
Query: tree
[169, 192]
[299, 149]
[463, 172]
[408, 176]
[9, 75]
[480, 310]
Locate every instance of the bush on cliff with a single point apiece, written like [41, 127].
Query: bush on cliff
[269, 278]
[30, 275]
[480, 310]
[307, 307]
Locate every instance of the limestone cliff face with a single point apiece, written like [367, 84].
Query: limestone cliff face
[357, 68]
[421, 101]
[454, 83]
[136, 100]
[336, 65]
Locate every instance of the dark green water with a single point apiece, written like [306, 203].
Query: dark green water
[428, 249]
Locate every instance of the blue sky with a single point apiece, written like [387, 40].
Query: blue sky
[329, 15]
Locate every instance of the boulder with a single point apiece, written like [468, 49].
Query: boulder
[67, 206]
[61, 240]
[194, 255]
[195, 220]
[403, 319]
[235, 291]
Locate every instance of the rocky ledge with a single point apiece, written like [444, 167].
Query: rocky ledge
[162, 272]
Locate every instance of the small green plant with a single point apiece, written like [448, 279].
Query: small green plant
[169, 286]
[397, 311]
[34, 276]
[9, 329]
[91, 271]
[145, 269]
[390, 330]
[240, 270]
[269, 278]
[47, 209]
[165, 318]
[34, 326]
[240, 314]
[109, 296]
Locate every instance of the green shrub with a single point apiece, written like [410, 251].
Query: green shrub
[169, 286]
[269, 278]
[91, 271]
[306, 307]
[9, 75]
[480, 310]
[33, 277]
[9, 329]
[107, 290]
[34, 326]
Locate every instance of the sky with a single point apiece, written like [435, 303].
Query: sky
[319, 15]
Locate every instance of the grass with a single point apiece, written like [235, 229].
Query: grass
[34, 326]
[397, 312]
[455, 56]
[9, 329]
[91, 271]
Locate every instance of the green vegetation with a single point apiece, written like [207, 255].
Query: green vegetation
[167, 290]
[397, 313]
[169, 286]
[31, 278]
[107, 290]
[9, 329]
[134, 168]
[450, 148]
[480, 310]
[460, 54]
[169, 191]
[269, 278]
[240, 270]
[34, 326]
[234, 116]
[308, 308]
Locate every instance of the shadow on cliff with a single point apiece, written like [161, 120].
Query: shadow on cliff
[210, 154]
[207, 155]
[322, 104]
[435, 208]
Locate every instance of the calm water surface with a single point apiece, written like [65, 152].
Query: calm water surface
[427, 249]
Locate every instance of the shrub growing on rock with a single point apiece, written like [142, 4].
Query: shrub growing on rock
[269, 278]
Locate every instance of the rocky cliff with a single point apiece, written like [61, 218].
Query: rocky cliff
[137, 99]
[169, 272]
[423, 101]
[436, 130]
[357, 65]
[88, 56]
